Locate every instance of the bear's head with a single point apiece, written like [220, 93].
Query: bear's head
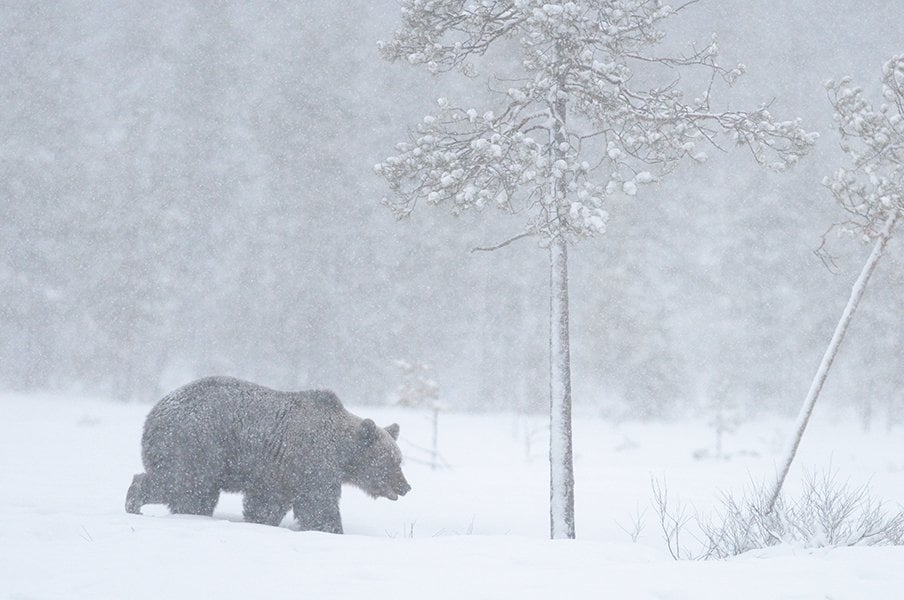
[375, 464]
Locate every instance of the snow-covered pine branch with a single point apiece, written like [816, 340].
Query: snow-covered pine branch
[872, 187]
[583, 55]
[468, 160]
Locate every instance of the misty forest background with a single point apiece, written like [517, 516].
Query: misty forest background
[187, 189]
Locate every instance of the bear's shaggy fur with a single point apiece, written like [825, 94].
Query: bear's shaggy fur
[281, 450]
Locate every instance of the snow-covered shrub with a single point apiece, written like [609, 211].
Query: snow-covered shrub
[825, 513]
[419, 390]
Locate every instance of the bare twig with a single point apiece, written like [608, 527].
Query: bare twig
[637, 524]
[503, 244]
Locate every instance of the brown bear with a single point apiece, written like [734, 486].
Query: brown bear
[281, 450]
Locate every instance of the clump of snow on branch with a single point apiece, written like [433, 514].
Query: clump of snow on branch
[526, 157]
[871, 189]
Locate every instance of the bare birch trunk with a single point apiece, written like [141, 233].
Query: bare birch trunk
[561, 471]
[829, 356]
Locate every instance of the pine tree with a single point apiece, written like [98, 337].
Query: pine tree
[871, 190]
[583, 118]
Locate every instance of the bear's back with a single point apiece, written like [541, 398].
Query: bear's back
[218, 407]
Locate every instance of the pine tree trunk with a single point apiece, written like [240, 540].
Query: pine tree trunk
[829, 357]
[561, 468]
[434, 454]
[561, 471]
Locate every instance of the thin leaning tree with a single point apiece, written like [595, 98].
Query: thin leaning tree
[585, 93]
[871, 190]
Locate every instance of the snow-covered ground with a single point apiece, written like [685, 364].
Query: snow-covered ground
[475, 530]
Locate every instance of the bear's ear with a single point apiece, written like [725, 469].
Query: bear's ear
[393, 430]
[367, 432]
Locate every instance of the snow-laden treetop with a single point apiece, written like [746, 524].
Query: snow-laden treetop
[583, 117]
[872, 188]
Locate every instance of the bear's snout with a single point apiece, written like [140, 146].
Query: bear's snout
[399, 488]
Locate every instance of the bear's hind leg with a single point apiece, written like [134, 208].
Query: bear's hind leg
[135, 495]
[195, 498]
[195, 503]
[261, 508]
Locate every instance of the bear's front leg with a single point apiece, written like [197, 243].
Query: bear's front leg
[318, 509]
